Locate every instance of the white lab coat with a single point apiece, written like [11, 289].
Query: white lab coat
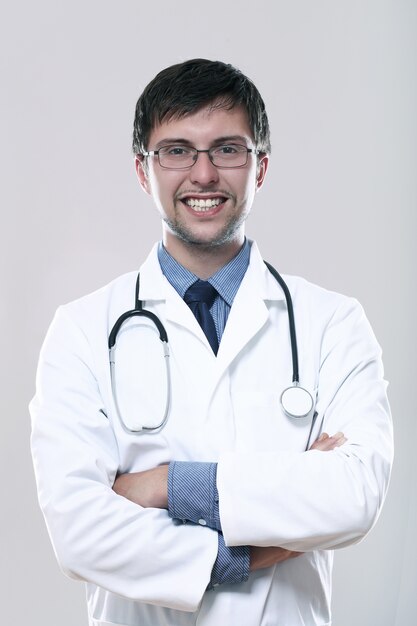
[141, 568]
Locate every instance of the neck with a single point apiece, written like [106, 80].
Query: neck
[201, 260]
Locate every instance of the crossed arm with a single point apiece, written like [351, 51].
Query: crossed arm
[150, 489]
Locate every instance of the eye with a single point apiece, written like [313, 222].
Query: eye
[228, 149]
[174, 151]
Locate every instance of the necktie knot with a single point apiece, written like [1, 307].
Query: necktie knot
[200, 297]
[201, 291]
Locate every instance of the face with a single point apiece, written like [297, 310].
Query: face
[226, 194]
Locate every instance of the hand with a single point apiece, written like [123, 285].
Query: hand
[148, 489]
[261, 557]
[326, 443]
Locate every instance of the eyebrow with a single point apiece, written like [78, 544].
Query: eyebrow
[186, 142]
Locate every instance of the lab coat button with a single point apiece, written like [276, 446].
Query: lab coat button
[202, 522]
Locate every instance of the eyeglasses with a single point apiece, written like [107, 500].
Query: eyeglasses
[182, 157]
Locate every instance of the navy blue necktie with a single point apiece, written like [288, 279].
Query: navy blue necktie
[200, 297]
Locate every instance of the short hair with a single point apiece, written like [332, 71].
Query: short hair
[186, 87]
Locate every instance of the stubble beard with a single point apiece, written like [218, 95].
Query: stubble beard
[191, 239]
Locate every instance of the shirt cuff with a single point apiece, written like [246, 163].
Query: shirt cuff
[231, 565]
[192, 493]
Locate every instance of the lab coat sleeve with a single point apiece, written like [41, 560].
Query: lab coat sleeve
[99, 536]
[319, 500]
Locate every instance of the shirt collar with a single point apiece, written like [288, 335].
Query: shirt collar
[226, 280]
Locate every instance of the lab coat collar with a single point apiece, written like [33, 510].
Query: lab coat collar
[258, 273]
[155, 287]
[247, 317]
[153, 284]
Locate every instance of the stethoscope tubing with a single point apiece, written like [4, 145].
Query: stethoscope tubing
[291, 321]
[287, 396]
[139, 311]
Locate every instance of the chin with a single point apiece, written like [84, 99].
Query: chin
[203, 239]
[209, 242]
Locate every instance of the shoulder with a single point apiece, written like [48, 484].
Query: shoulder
[310, 298]
[305, 291]
[86, 322]
[116, 296]
[339, 317]
[120, 290]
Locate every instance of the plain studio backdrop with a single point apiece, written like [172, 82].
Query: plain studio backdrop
[338, 207]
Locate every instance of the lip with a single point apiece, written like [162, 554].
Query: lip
[202, 196]
[206, 213]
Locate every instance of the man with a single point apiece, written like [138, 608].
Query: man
[224, 508]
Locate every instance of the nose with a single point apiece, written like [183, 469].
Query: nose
[203, 171]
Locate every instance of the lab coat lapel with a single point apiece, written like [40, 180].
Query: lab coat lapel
[169, 305]
[179, 313]
[249, 312]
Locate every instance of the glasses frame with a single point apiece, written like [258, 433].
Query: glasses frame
[209, 154]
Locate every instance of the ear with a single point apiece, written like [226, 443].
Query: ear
[142, 173]
[263, 161]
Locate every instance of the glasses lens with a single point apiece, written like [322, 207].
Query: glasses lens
[230, 155]
[177, 157]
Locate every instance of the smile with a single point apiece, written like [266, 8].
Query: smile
[203, 204]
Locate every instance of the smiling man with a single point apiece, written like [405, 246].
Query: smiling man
[210, 482]
[205, 202]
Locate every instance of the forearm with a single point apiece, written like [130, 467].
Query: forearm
[105, 539]
[188, 491]
[300, 501]
[309, 500]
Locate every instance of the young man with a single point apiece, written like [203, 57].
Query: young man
[221, 504]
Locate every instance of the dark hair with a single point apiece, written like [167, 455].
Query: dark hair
[186, 87]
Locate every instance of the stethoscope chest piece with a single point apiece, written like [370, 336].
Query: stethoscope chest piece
[296, 401]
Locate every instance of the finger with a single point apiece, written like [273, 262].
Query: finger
[325, 443]
[316, 445]
[324, 446]
[335, 441]
[339, 439]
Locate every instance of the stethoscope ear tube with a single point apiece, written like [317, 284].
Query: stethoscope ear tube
[163, 336]
[141, 313]
[291, 322]
[138, 428]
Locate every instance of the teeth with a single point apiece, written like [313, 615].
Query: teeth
[198, 204]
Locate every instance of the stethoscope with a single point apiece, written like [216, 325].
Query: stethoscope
[295, 400]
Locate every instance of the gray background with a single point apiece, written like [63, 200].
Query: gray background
[339, 204]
